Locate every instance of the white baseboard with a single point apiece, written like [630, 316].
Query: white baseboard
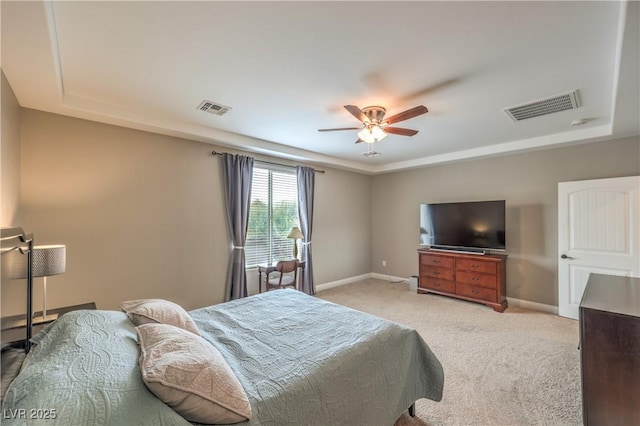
[390, 278]
[332, 284]
[526, 304]
[535, 306]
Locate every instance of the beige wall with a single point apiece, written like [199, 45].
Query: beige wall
[342, 225]
[528, 182]
[10, 156]
[96, 188]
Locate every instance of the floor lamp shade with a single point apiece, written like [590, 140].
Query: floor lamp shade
[47, 261]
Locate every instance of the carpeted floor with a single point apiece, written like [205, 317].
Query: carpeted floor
[516, 368]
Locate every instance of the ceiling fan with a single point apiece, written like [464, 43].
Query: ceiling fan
[375, 127]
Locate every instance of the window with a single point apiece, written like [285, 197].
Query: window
[273, 212]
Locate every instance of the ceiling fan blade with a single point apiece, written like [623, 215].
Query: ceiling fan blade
[400, 131]
[410, 113]
[359, 140]
[356, 112]
[422, 93]
[339, 128]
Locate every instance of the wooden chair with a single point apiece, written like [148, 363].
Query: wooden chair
[288, 275]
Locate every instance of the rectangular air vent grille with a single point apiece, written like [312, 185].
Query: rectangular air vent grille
[213, 108]
[545, 106]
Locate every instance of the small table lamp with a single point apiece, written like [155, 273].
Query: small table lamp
[47, 261]
[295, 234]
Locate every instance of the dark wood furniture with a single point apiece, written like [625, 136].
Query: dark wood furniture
[14, 337]
[271, 268]
[473, 277]
[610, 350]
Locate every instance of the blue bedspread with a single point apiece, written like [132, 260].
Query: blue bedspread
[305, 361]
[83, 370]
[301, 361]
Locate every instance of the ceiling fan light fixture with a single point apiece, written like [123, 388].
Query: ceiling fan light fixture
[372, 134]
[365, 135]
[375, 127]
[378, 133]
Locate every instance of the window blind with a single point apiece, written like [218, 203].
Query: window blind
[272, 214]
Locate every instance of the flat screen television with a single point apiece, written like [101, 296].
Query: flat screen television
[472, 226]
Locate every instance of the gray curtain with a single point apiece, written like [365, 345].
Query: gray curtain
[306, 184]
[237, 175]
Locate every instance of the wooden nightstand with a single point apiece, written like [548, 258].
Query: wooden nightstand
[14, 337]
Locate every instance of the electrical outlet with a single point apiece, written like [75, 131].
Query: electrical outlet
[384, 263]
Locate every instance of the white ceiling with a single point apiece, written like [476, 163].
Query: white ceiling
[287, 68]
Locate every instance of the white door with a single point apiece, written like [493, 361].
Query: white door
[599, 232]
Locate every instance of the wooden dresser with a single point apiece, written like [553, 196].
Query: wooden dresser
[473, 277]
[610, 350]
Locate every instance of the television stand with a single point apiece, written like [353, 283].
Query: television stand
[480, 279]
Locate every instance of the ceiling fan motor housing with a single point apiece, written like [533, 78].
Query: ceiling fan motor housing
[375, 114]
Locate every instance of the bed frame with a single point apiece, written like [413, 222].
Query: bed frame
[16, 240]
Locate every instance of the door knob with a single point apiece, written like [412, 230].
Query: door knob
[564, 256]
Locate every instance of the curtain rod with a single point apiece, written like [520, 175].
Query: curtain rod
[269, 162]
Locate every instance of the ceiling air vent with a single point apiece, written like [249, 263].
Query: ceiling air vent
[213, 108]
[545, 106]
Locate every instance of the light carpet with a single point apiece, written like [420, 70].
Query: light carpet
[520, 367]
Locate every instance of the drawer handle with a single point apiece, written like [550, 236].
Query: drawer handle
[475, 279]
[436, 284]
[475, 265]
[474, 291]
[436, 273]
[436, 261]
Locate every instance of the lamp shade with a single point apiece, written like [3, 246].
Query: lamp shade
[372, 134]
[47, 261]
[295, 233]
[378, 133]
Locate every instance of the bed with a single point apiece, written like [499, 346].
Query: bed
[299, 359]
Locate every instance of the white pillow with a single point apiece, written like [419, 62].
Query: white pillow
[145, 311]
[191, 376]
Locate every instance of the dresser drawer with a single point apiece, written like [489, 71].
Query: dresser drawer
[476, 292]
[439, 273]
[437, 285]
[434, 260]
[474, 278]
[476, 266]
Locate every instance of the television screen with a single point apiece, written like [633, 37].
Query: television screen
[470, 225]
